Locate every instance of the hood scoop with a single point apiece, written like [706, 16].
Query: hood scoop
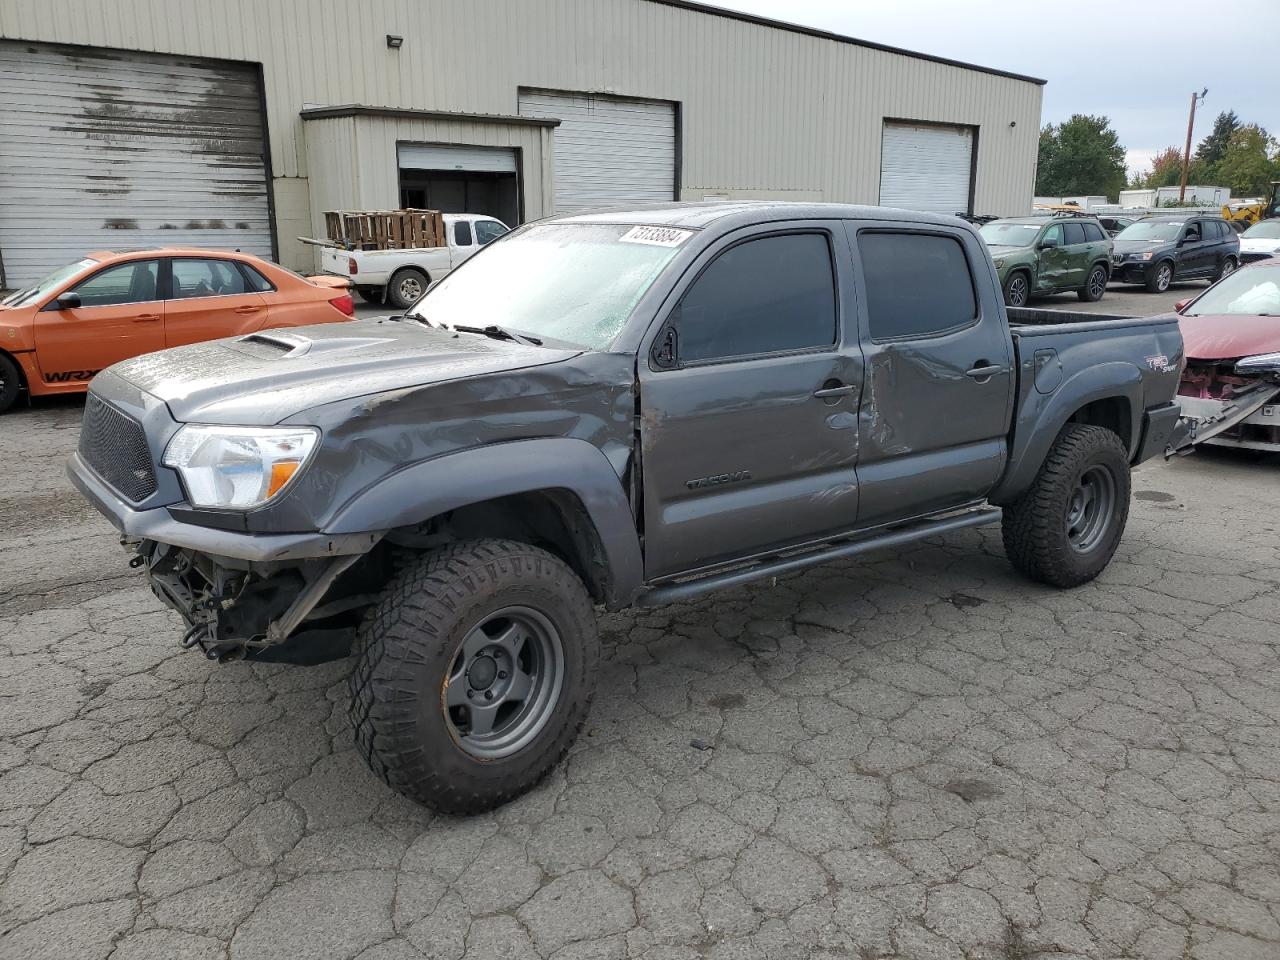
[279, 345]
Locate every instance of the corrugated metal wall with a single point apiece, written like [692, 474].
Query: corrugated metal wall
[764, 111]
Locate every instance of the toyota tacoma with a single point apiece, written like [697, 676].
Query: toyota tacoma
[616, 409]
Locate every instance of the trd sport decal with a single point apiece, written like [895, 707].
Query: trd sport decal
[66, 376]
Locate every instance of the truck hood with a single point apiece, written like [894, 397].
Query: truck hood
[1229, 336]
[1003, 250]
[266, 377]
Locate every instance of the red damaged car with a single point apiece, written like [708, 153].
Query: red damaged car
[1230, 390]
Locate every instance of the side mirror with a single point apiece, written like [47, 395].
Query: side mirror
[67, 301]
[1048, 243]
[1182, 305]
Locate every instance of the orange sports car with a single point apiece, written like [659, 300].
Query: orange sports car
[111, 306]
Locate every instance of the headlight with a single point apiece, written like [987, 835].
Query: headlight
[1141, 256]
[238, 467]
[999, 262]
[1262, 363]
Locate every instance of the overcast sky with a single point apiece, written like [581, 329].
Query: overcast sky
[1135, 63]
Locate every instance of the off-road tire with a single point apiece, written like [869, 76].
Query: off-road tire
[1011, 291]
[1034, 527]
[369, 294]
[399, 298]
[10, 383]
[1161, 278]
[1094, 289]
[403, 651]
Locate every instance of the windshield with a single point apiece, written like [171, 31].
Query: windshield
[573, 282]
[59, 276]
[999, 234]
[1266, 230]
[1254, 292]
[1151, 230]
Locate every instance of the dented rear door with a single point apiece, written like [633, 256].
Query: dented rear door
[940, 371]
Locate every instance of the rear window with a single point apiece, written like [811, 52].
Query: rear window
[899, 305]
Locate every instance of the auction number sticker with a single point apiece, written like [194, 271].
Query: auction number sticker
[656, 236]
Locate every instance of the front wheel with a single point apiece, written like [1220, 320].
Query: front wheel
[1017, 289]
[1159, 281]
[1065, 529]
[1095, 285]
[10, 383]
[408, 284]
[473, 674]
[1225, 269]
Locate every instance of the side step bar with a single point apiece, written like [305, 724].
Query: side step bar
[688, 589]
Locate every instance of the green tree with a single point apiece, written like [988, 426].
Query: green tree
[1081, 156]
[1166, 169]
[1213, 147]
[1250, 162]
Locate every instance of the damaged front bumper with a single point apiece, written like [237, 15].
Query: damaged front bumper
[237, 591]
[1249, 421]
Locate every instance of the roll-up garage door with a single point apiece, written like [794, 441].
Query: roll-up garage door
[120, 150]
[926, 167]
[448, 156]
[609, 151]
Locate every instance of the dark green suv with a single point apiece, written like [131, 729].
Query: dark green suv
[1035, 255]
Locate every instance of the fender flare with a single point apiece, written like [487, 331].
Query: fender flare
[426, 489]
[1104, 381]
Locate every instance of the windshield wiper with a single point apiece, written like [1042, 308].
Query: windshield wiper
[498, 333]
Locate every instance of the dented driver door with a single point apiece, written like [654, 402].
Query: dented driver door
[749, 396]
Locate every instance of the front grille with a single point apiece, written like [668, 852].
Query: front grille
[115, 448]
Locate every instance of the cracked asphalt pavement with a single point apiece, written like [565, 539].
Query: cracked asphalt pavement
[916, 755]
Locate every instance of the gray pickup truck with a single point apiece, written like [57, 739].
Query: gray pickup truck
[614, 409]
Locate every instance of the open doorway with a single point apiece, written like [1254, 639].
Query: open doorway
[459, 178]
[493, 194]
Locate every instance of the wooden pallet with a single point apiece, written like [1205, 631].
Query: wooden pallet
[385, 229]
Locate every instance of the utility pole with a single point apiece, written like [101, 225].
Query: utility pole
[1186, 154]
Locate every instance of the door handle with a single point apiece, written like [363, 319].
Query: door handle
[146, 318]
[984, 371]
[841, 391]
[247, 309]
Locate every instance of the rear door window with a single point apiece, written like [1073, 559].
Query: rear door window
[899, 305]
[192, 278]
[462, 234]
[1093, 232]
[762, 296]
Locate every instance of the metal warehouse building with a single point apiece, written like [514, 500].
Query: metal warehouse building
[237, 123]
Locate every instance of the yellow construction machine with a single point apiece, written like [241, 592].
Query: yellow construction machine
[1243, 214]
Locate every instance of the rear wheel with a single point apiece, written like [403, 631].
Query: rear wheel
[1160, 278]
[1095, 285]
[1065, 529]
[10, 383]
[406, 286]
[473, 674]
[1017, 289]
[1225, 269]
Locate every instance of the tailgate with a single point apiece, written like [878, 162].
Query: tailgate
[335, 260]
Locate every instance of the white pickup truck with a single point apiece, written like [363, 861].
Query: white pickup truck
[399, 277]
